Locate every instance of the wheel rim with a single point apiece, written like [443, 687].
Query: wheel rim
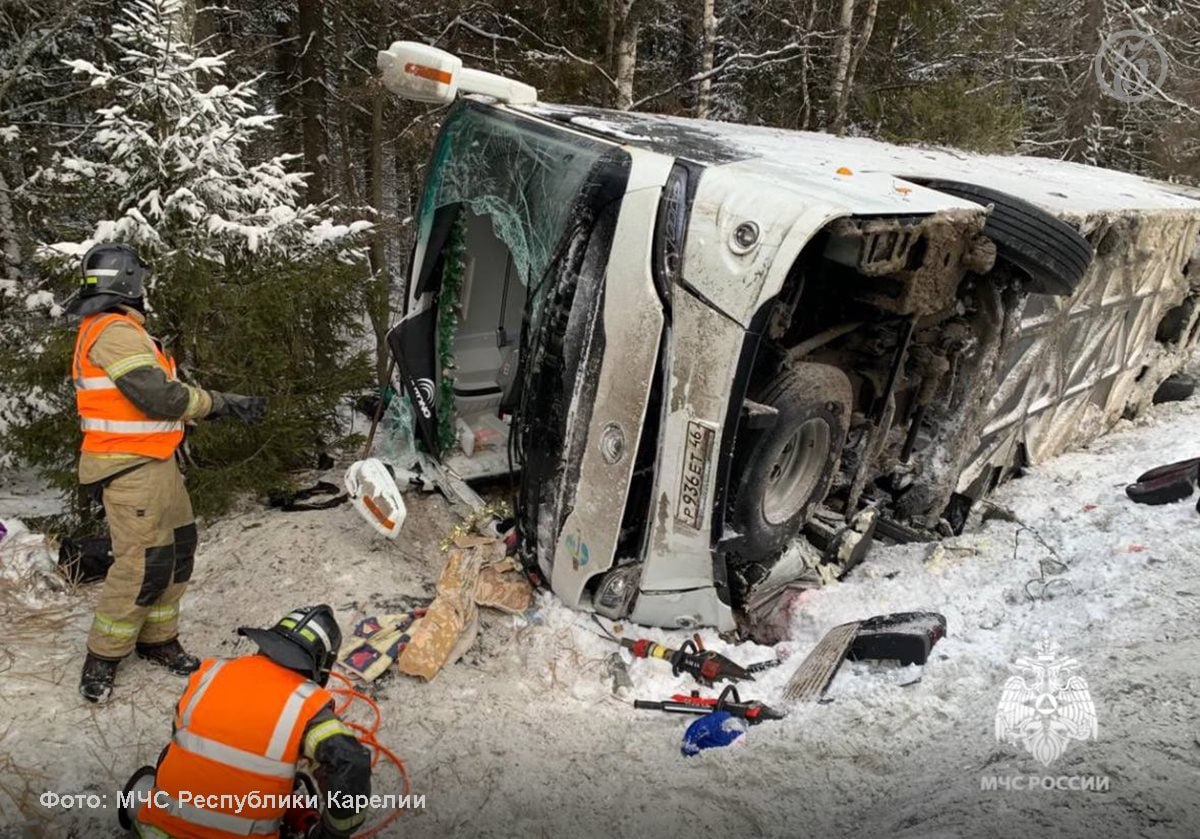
[796, 471]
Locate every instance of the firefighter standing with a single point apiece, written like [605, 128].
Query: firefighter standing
[132, 411]
[241, 727]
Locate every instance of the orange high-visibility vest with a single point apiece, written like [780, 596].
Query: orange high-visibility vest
[111, 423]
[238, 730]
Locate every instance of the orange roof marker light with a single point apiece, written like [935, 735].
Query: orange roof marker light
[845, 171]
[427, 74]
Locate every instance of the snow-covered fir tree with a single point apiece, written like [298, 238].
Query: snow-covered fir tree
[253, 290]
[168, 158]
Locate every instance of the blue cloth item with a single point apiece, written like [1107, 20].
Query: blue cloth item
[711, 731]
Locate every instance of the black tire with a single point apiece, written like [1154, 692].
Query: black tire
[1165, 489]
[1174, 388]
[786, 469]
[1052, 254]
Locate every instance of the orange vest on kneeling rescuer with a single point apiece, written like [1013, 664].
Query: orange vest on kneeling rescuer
[238, 730]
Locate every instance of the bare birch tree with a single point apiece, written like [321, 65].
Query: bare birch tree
[625, 48]
[708, 28]
[845, 40]
[860, 47]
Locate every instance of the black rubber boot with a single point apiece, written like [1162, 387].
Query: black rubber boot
[96, 683]
[171, 655]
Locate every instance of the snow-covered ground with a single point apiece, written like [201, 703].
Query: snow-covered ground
[22, 494]
[523, 737]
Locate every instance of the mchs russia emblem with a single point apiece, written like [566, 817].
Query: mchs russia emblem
[1045, 704]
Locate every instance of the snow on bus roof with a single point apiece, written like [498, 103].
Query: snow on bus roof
[1058, 186]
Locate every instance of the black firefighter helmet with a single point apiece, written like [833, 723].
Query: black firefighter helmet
[112, 274]
[306, 640]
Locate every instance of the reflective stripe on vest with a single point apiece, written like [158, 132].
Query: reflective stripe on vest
[94, 383]
[130, 426]
[232, 756]
[205, 680]
[215, 818]
[111, 423]
[288, 719]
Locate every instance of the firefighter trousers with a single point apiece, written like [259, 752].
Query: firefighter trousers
[154, 544]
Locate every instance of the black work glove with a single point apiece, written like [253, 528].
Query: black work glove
[249, 409]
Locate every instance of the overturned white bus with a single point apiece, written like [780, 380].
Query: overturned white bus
[693, 340]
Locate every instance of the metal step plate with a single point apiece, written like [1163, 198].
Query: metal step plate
[816, 672]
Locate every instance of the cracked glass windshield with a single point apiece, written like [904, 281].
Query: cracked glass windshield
[507, 202]
[525, 179]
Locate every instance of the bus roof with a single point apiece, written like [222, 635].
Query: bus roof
[1061, 187]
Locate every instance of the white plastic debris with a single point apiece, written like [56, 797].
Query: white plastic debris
[28, 564]
[374, 493]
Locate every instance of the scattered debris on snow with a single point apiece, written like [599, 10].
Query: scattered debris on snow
[524, 734]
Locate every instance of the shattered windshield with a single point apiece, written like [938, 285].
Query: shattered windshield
[524, 177]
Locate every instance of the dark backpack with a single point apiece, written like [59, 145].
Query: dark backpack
[85, 560]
